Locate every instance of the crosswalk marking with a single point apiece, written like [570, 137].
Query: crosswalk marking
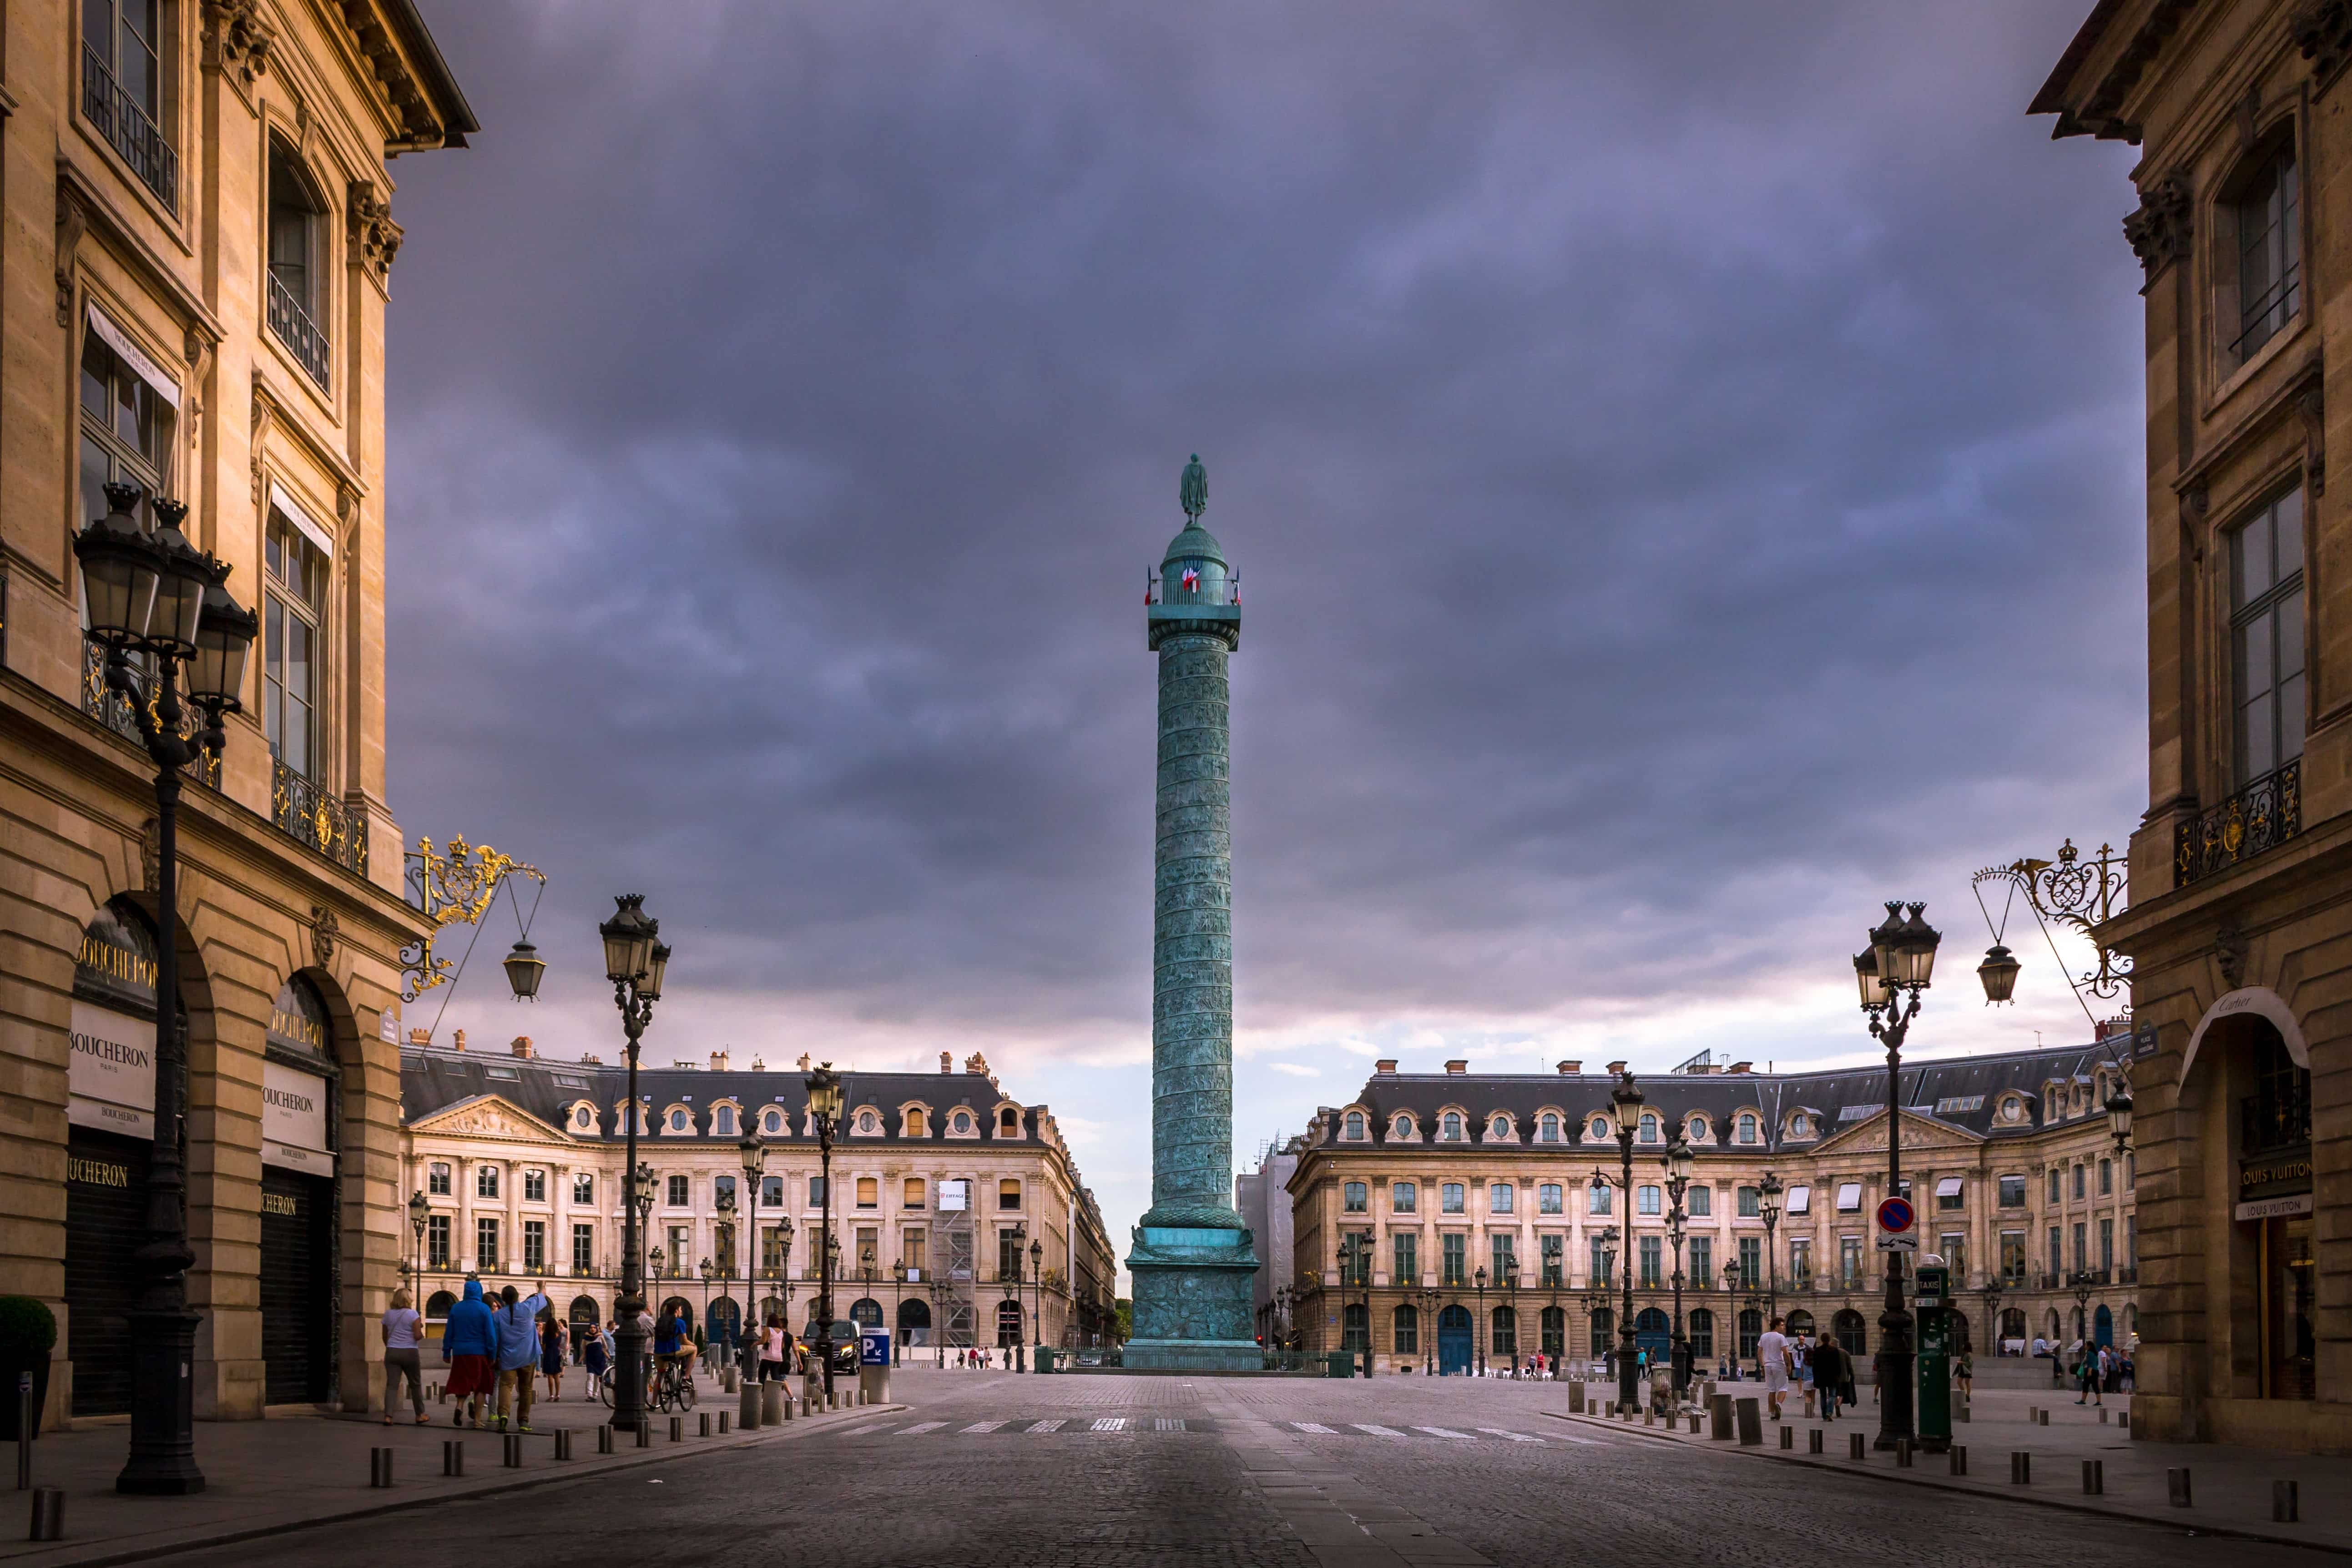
[984, 1425]
[1446, 1432]
[1054, 1425]
[1111, 1424]
[1514, 1437]
[1378, 1431]
[866, 1431]
[1169, 1424]
[1312, 1426]
[920, 1427]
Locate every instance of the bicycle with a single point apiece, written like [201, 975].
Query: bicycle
[671, 1384]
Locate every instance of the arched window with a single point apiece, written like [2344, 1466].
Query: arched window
[772, 1121]
[1848, 1329]
[1406, 1331]
[1452, 1125]
[1650, 1125]
[1751, 1328]
[1801, 1324]
[437, 1305]
[722, 1121]
[1008, 1123]
[1701, 1333]
[298, 262]
[2265, 221]
[1547, 1128]
[915, 1123]
[1747, 1127]
[1355, 1129]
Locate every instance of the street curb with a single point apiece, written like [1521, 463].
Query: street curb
[521, 1483]
[2234, 1533]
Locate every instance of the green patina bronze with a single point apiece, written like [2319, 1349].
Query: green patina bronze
[1192, 1259]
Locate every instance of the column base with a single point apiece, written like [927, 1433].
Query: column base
[1193, 1310]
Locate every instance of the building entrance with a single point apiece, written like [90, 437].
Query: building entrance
[1454, 1349]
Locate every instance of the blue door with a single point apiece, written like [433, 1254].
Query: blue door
[2103, 1331]
[1454, 1348]
[1650, 1334]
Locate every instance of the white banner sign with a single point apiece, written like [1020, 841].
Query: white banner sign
[2275, 1208]
[294, 1120]
[111, 1075]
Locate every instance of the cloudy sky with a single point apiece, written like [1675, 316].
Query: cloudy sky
[1683, 461]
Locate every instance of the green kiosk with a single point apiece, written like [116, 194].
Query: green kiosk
[1935, 1358]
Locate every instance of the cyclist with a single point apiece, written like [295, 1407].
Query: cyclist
[673, 1348]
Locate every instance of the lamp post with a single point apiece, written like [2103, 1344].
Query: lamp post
[1430, 1297]
[1626, 1104]
[1892, 972]
[706, 1268]
[938, 1294]
[1480, 1281]
[752, 1154]
[1991, 1294]
[825, 1109]
[635, 960]
[1678, 1162]
[727, 1232]
[1510, 1298]
[1609, 1236]
[417, 1209]
[1037, 1301]
[898, 1304]
[1768, 1205]
[158, 595]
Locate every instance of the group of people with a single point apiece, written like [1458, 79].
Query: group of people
[1822, 1370]
[495, 1348]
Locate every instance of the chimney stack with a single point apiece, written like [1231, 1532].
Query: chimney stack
[521, 1047]
[1385, 1064]
[592, 1061]
[420, 1036]
[804, 1061]
[458, 1039]
[1617, 1067]
[1571, 1070]
[1457, 1068]
[947, 1061]
[1743, 1066]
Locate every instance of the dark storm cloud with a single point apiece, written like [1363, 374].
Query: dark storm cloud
[1683, 463]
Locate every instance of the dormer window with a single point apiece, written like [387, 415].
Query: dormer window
[678, 1120]
[963, 1122]
[722, 1121]
[1747, 1125]
[868, 1123]
[1599, 1130]
[1401, 1127]
[1355, 1130]
[1499, 1128]
[772, 1121]
[584, 1120]
[1694, 1130]
[915, 1124]
[1451, 1128]
[1008, 1123]
[1547, 1128]
[1650, 1127]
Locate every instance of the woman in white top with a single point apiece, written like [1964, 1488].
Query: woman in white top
[772, 1352]
[401, 1341]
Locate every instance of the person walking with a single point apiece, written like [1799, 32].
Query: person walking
[518, 1332]
[771, 1349]
[551, 1352]
[401, 1328]
[1963, 1373]
[1803, 1353]
[469, 1348]
[1830, 1370]
[1772, 1356]
[596, 1359]
[2086, 1378]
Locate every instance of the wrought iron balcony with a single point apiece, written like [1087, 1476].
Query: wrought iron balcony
[2262, 816]
[292, 325]
[112, 710]
[2275, 1117]
[127, 129]
[304, 812]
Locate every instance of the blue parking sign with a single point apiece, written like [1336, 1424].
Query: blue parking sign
[874, 1347]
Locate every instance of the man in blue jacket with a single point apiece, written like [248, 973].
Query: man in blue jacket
[469, 1348]
[518, 1324]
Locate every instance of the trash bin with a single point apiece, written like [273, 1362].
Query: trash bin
[1339, 1363]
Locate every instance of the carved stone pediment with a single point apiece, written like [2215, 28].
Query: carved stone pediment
[488, 1116]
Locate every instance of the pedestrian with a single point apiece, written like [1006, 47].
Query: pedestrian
[469, 1348]
[2086, 1378]
[1772, 1357]
[771, 1349]
[551, 1352]
[596, 1359]
[1828, 1364]
[1963, 1373]
[1799, 1349]
[518, 1335]
[400, 1326]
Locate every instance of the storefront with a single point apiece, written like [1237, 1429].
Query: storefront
[298, 1262]
[110, 1117]
[2274, 1203]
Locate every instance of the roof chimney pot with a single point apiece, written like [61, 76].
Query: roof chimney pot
[1385, 1064]
[1457, 1068]
[457, 1040]
[521, 1046]
[1571, 1070]
[947, 1061]
[1616, 1067]
[1743, 1066]
[420, 1036]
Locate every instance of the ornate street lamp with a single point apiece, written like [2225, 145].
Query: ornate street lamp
[1892, 973]
[824, 1108]
[1626, 1103]
[1430, 1297]
[753, 1153]
[417, 1209]
[634, 960]
[1481, 1281]
[524, 967]
[156, 594]
[1037, 1301]
[2119, 1117]
[1768, 1205]
[1678, 1162]
[1991, 1294]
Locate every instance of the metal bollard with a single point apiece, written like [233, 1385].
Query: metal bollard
[677, 1428]
[2176, 1486]
[705, 1430]
[1902, 1453]
[1960, 1411]
[604, 1439]
[1814, 1441]
[1960, 1456]
[510, 1451]
[2285, 1506]
[379, 1467]
[1788, 1437]
[563, 1443]
[2123, 1419]
[48, 1514]
[722, 1424]
[2095, 1478]
[2043, 1418]
[2020, 1469]
[453, 1456]
[644, 1434]
[1854, 1450]
[1693, 1423]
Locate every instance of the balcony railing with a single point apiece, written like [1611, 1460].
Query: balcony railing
[291, 322]
[2274, 1117]
[112, 710]
[127, 129]
[2262, 816]
[302, 809]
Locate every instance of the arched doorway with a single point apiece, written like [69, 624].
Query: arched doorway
[1604, 1329]
[1008, 1324]
[1801, 1324]
[1554, 1329]
[1652, 1332]
[866, 1313]
[914, 1322]
[676, 1307]
[437, 1305]
[2012, 1331]
[1701, 1333]
[1850, 1333]
[724, 1321]
[299, 1206]
[2103, 1328]
[584, 1314]
[1454, 1348]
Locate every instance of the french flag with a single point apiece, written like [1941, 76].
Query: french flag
[1191, 580]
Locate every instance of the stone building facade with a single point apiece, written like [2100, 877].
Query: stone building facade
[519, 1160]
[196, 260]
[2009, 1160]
[2241, 938]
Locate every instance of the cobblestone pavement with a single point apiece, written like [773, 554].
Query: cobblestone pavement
[987, 1468]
